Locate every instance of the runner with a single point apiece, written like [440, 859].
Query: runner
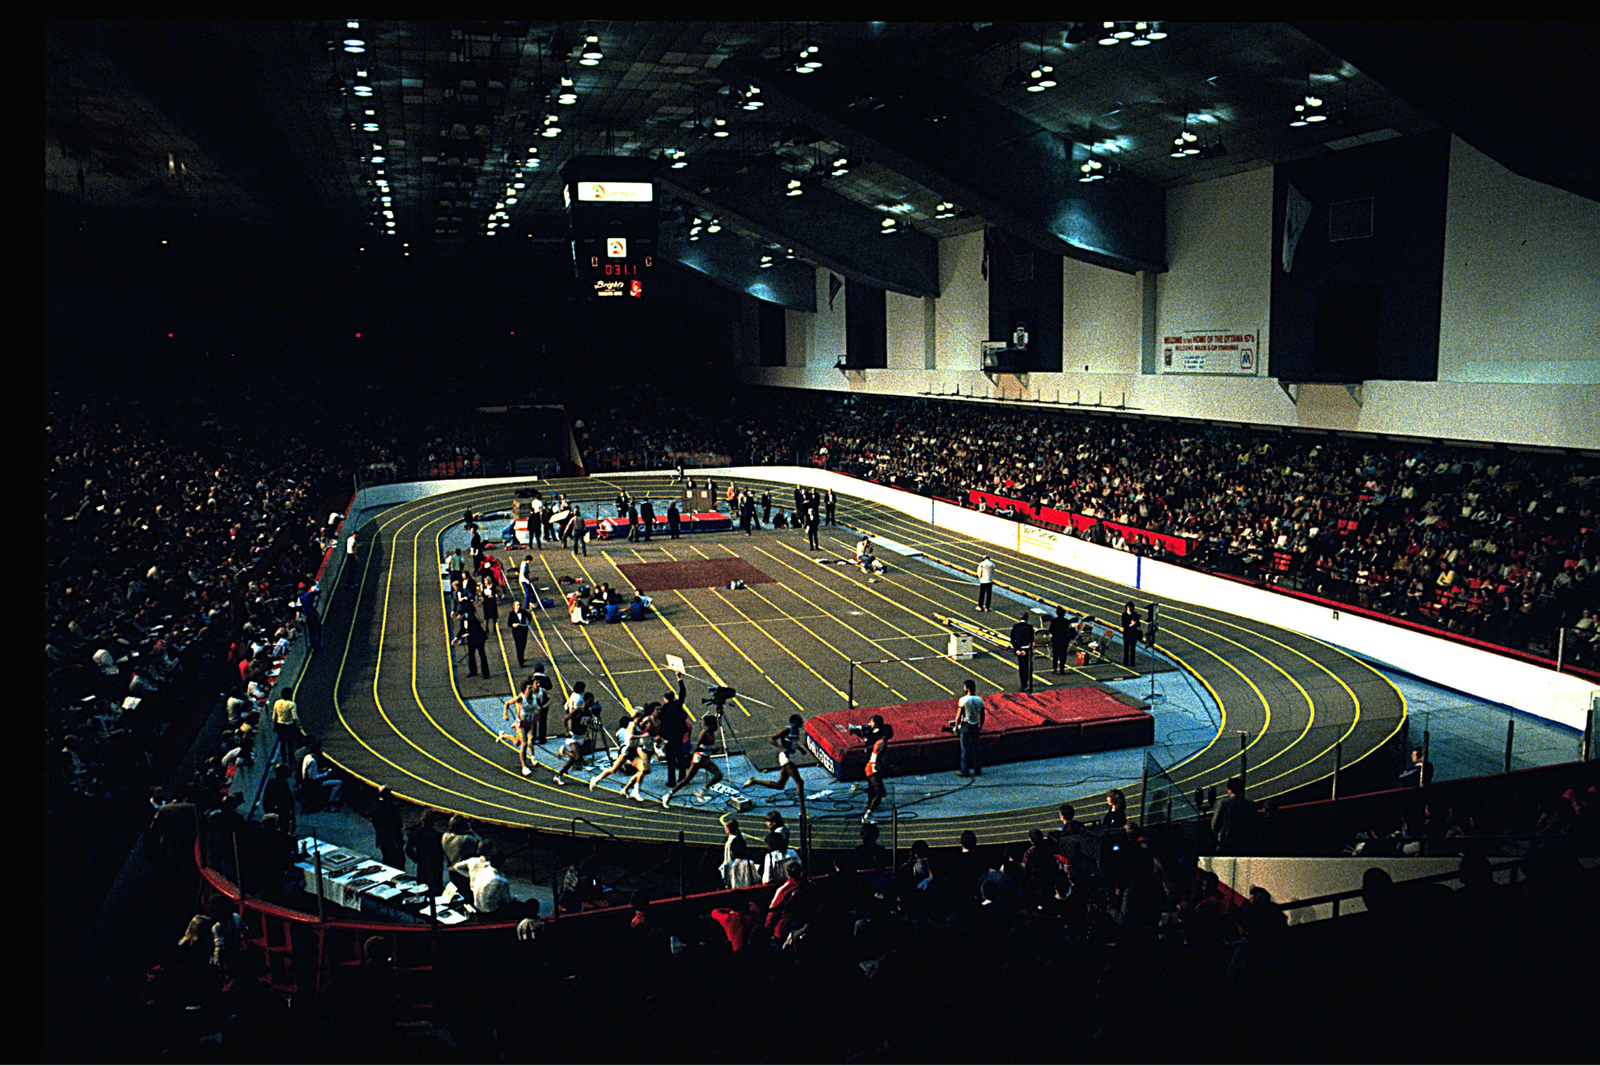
[526, 703]
[633, 745]
[579, 719]
[700, 759]
[785, 740]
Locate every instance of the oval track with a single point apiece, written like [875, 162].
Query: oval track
[398, 711]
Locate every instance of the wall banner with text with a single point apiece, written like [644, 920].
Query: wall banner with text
[1211, 352]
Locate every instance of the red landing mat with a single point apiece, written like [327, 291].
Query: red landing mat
[1018, 726]
[695, 574]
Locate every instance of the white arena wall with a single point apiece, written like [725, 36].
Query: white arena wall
[1523, 686]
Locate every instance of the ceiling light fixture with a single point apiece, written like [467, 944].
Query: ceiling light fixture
[591, 54]
[1042, 76]
[808, 63]
[1186, 142]
[568, 95]
[1312, 108]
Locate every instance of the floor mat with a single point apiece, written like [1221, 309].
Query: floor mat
[692, 574]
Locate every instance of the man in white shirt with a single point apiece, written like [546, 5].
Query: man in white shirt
[490, 889]
[985, 583]
[536, 522]
[969, 725]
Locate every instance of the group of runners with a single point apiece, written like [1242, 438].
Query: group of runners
[660, 729]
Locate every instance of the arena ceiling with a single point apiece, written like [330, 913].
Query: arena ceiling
[434, 137]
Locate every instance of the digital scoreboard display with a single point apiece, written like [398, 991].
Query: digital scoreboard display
[612, 213]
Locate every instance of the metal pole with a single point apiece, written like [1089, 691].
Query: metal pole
[1338, 761]
[316, 861]
[1144, 790]
[852, 684]
[805, 834]
[1511, 727]
[1588, 733]
[1244, 758]
[894, 839]
[1561, 646]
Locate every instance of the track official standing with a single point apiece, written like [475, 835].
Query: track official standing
[525, 576]
[647, 519]
[673, 518]
[519, 619]
[969, 727]
[985, 583]
[1130, 634]
[1022, 644]
[1061, 634]
[475, 638]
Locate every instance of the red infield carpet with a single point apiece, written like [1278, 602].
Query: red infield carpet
[1018, 726]
[695, 574]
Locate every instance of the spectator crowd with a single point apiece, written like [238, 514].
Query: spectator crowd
[1488, 542]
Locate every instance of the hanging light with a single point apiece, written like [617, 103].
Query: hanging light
[591, 55]
[808, 63]
[1310, 108]
[795, 188]
[567, 95]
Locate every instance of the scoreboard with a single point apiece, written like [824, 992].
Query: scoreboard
[611, 208]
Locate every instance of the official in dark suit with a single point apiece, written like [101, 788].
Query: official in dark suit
[1061, 633]
[519, 620]
[1022, 644]
[647, 519]
[1130, 634]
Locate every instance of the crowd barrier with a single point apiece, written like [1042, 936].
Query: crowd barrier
[1052, 516]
